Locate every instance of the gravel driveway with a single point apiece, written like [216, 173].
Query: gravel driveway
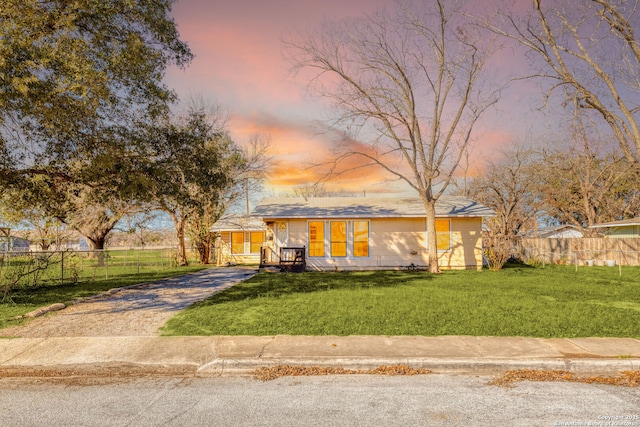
[135, 311]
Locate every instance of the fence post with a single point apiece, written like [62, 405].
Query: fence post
[620, 262]
[62, 267]
[106, 263]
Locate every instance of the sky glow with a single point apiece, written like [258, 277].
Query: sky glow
[239, 64]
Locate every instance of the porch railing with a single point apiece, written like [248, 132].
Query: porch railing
[289, 258]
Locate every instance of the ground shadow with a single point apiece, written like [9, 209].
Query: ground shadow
[274, 285]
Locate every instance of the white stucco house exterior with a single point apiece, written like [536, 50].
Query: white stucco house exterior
[360, 233]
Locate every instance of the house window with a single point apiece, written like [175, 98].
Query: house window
[237, 242]
[443, 234]
[338, 238]
[316, 238]
[361, 238]
[257, 240]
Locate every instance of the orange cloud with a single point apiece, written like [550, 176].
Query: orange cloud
[239, 63]
[303, 156]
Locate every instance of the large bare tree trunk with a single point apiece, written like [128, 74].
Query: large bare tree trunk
[182, 248]
[96, 243]
[432, 240]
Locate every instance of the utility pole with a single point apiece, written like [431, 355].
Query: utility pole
[246, 194]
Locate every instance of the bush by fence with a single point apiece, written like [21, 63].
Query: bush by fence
[583, 251]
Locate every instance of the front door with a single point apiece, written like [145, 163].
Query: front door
[281, 235]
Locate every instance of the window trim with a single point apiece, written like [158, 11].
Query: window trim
[450, 235]
[323, 241]
[251, 243]
[349, 239]
[232, 243]
[340, 242]
[353, 238]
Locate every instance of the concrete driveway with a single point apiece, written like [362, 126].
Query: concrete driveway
[133, 311]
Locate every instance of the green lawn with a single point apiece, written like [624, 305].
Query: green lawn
[28, 298]
[555, 301]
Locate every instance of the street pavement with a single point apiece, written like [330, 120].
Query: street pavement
[90, 347]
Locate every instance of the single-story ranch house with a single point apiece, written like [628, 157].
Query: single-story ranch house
[342, 233]
[621, 229]
[239, 240]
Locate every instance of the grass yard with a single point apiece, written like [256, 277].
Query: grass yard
[29, 298]
[555, 301]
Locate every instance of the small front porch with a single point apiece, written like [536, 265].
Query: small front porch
[286, 259]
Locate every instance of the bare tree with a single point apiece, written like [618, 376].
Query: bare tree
[251, 175]
[506, 187]
[317, 189]
[407, 88]
[584, 187]
[590, 50]
[140, 224]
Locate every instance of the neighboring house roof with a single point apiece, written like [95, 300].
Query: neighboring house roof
[623, 223]
[366, 207]
[564, 230]
[238, 222]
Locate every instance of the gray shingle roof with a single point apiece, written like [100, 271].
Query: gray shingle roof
[622, 223]
[366, 207]
[238, 222]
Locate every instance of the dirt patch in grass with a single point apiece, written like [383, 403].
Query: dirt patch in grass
[273, 372]
[626, 378]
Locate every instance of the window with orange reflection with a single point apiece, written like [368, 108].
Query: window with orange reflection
[257, 239]
[361, 238]
[316, 238]
[443, 234]
[237, 242]
[338, 238]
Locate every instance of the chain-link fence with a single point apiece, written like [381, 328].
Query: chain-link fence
[59, 267]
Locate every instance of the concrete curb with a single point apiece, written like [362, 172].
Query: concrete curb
[226, 355]
[582, 366]
[230, 367]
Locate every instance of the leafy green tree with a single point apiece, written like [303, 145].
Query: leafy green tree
[19, 208]
[194, 162]
[90, 197]
[246, 169]
[77, 81]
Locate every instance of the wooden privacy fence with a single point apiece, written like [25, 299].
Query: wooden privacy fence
[583, 250]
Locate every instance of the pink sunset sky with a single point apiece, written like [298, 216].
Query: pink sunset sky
[239, 64]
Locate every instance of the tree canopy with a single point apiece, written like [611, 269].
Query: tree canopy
[589, 50]
[75, 75]
[194, 163]
[80, 82]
